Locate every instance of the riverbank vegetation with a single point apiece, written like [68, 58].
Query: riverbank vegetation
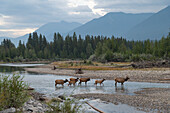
[89, 65]
[95, 48]
[68, 106]
[12, 91]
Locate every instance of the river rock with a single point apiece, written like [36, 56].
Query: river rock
[30, 88]
[10, 110]
[34, 106]
[56, 100]
[62, 97]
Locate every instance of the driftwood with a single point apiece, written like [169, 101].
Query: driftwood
[54, 68]
[94, 108]
[150, 64]
[166, 79]
[79, 71]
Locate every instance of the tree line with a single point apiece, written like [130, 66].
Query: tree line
[98, 48]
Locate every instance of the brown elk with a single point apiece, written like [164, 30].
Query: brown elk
[73, 81]
[99, 81]
[84, 80]
[121, 80]
[60, 82]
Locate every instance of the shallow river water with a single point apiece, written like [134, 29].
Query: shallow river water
[45, 83]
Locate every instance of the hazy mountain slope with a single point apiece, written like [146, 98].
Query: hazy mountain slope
[2, 38]
[61, 27]
[49, 29]
[115, 23]
[153, 28]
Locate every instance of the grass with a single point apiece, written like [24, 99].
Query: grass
[68, 106]
[92, 65]
[100, 66]
[12, 91]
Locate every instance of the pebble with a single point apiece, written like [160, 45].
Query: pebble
[10, 110]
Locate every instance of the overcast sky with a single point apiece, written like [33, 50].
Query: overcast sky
[18, 17]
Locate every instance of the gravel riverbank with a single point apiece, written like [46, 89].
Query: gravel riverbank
[149, 75]
[148, 100]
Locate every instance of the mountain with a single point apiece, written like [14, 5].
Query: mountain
[48, 30]
[2, 38]
[16, 40]
[114, 23]
[154, 27]
[62, 27]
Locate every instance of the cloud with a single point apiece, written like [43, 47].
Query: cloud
[82, 8]
[132, 6]
[31, 14]
[15, 32]
[34, 13]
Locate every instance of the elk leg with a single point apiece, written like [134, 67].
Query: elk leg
[115, 83]
[103, 84]
[80, 83]
[122, 83]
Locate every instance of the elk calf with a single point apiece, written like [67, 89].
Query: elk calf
[120, 80]
[60, 82]
[99, 81]
[73, 81]
[84, 80]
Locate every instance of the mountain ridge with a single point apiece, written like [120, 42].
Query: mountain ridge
[153, 28]
[111, 23]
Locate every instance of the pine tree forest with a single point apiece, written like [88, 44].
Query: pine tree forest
[95, 48]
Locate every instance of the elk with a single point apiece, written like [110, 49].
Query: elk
[84, 80]
[99, 81]
[60, 82]
[73, 81]
[121, 80]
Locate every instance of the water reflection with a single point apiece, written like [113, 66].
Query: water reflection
[119, 88]
[100, 88]
[59, 87]
[123, 90]
[6, 69]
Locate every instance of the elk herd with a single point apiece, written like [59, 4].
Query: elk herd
[73, 81]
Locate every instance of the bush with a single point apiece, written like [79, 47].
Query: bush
[109, 55]
[142, 57]
[68, 106]
[12, 91]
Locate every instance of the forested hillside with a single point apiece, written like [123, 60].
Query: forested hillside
[97, 48]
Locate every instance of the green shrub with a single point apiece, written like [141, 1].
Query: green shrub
[89, 62]
[68, 106]
[12, 91]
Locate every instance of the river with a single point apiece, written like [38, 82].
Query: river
[44, 83]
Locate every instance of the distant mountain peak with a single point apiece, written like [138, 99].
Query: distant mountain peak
[113, 23]
[152, 28]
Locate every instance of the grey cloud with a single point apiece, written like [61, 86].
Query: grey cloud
[82, 8]
[132, 5]
[31, 13]
[34, 13]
